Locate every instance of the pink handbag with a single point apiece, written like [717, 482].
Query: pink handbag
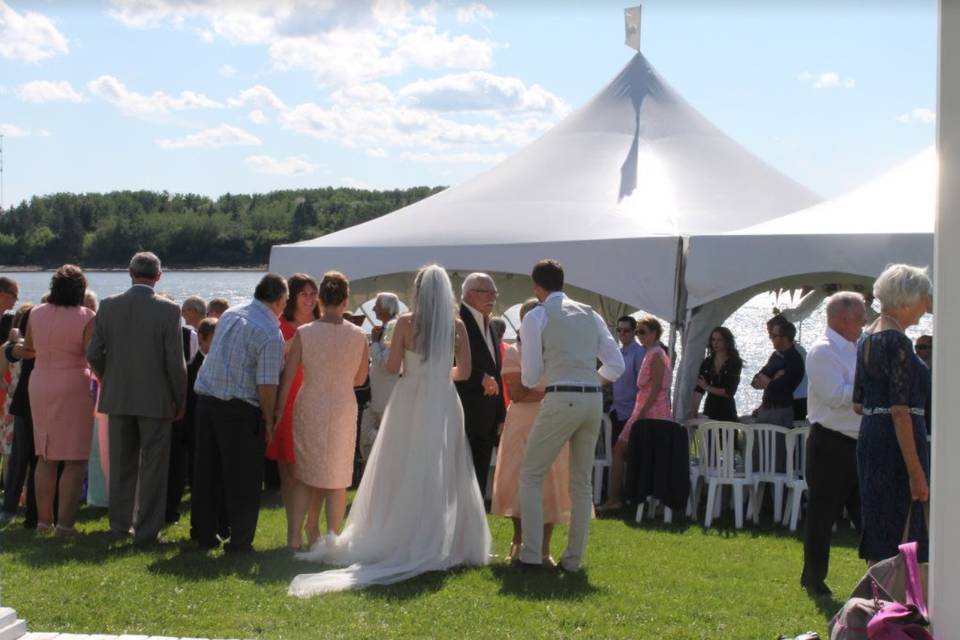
[896, 621]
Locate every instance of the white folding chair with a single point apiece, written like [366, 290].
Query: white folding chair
[720, 467]
[602, 457]
[768, 444]
[796, 483]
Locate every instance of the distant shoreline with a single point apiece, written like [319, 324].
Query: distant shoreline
[123, 269]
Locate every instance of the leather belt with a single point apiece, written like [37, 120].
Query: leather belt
[572, 388]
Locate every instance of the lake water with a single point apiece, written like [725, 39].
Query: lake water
[747, 324]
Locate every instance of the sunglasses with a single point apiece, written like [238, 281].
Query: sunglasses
[642, 332]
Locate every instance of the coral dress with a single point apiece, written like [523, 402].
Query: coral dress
[60, 398]
[325, 411]
[661, 406]
[281, 444]
[513, 445]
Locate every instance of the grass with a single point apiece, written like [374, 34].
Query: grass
[640, 581]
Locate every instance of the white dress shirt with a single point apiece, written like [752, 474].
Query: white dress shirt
[381, 381]
[531, 336]
[831, 365]
[484, 329]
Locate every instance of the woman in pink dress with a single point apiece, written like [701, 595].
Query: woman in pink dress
[60, 398]
[301, 309]
[521, 413]
[335, 358]
[653, 401]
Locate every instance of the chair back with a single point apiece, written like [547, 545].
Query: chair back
[766, 440]
[718, 450]
[604, 450]
[797, 453]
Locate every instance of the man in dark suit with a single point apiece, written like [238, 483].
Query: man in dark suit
[137, 352]
[482, 393]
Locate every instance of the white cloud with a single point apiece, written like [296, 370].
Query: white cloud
[372, 93]
[257, 117]
[258, 96]
[481, 91]
[139, 104]
[377, 152]
[474, 13]
[455, 158]
[338, 57]
[827, 80]
[227, 70]
[221, 136]
[429, 12]
[918, 114]
[29, 36]
[353, 183]
[292, 166]
[426, 47]
[47, 91]
[13, 130]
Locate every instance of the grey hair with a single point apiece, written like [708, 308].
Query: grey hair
[844, 302]
[145, 264]
[195, 304]
[901, 285]
[471, 280]
[390, 302]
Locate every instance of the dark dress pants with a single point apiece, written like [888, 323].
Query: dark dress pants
[481, 433]
[20, 468]
[180, 446]
[832, 484]
[230, 445]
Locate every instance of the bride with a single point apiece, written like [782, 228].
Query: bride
[418, 507]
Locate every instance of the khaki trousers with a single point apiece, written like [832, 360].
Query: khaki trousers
[563, 417]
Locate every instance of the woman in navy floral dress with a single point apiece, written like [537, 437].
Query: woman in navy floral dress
[890, 390]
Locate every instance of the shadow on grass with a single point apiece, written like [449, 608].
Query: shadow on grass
[543, 585]
[191, 563]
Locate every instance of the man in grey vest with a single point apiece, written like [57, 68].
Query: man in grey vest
[562, 340]
[137, 352]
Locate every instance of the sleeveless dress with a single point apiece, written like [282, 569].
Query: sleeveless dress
[418, 507]
[325, 410]
[513, 444]
[281, 444]
[889, 373]
[661, 406]
[60, 399]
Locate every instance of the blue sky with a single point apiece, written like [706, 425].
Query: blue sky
[215, 96]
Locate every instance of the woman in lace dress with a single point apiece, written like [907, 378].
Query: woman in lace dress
[890, 390]
[335, 358]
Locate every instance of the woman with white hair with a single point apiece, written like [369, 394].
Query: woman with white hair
[890, 388]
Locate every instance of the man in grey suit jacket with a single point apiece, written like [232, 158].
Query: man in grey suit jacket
[137, 352]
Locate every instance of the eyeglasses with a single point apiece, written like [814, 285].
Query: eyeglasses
[488, 292]
[642, 332]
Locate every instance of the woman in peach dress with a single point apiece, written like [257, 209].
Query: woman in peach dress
[335, 358]
[60, 398]
[653, 401]
[521, 413]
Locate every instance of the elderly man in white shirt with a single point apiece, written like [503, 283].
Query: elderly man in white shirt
[562, 340]
[385, 309]
[831, 471]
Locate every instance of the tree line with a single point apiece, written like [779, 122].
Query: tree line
[186, 230]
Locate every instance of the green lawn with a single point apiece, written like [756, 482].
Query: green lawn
[646, 581]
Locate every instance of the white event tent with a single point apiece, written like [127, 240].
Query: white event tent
[843, 242]
[612, 192]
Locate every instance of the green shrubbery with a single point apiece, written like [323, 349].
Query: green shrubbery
[103, 230]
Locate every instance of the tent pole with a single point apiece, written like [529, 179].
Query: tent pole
[679, 297]
[945, 508]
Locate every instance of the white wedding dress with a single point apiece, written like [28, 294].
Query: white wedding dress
[418, 507]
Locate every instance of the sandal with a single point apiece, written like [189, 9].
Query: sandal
[44, 529]
[549, 562]
[65, 532]
[514, 552]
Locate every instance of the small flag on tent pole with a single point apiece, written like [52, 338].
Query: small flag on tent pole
[631, 23]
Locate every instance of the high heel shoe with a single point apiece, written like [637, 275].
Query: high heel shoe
[514, 552]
